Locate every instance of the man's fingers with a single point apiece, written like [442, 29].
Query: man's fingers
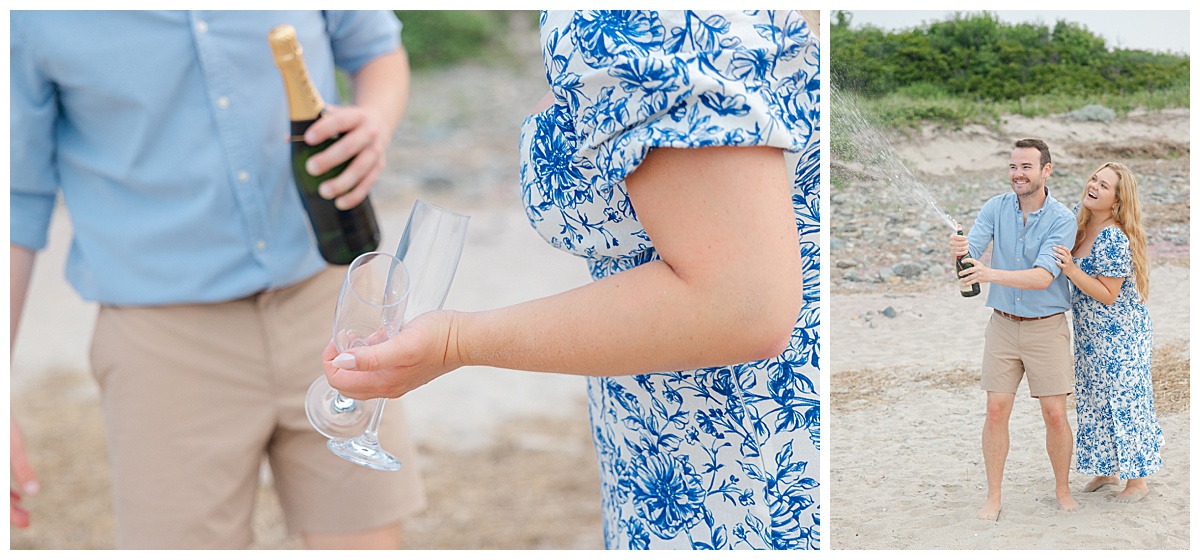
[336, 120]
[17, 516]
[20, 469]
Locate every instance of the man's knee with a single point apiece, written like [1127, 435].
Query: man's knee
[999, 408]
[381, 538]
[1054, 412]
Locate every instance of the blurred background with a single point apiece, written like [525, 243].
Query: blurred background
[506, 456]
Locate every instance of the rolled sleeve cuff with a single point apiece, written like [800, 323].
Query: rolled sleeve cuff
[1049, 263]
[29, 219]
[361, 37]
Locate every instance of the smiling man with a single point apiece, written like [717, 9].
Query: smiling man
[1027, 335]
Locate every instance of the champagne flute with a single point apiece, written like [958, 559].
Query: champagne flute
[370, 311]
[430, 247]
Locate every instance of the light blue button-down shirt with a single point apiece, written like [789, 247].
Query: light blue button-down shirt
[1021, 244]
[165, 133]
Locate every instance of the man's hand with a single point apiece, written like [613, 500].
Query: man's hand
[23, 476]
[958, 243]
[977, 273]
[364, 137]
[380, 96]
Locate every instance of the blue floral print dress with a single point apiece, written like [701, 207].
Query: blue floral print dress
[715, 458]
[1114, 397]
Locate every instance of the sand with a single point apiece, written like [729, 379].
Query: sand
[906, 410]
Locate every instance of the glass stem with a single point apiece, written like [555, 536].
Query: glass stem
[342, 404]
[371, 436]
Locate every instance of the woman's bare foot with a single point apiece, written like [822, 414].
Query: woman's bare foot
[1135, 490]
[1099, 482]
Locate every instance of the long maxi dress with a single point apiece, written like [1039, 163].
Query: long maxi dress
[1114, 396]
[722, 457]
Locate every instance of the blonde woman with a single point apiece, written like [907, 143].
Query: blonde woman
[1118, 436]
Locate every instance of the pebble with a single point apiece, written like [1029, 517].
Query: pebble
[908, 269]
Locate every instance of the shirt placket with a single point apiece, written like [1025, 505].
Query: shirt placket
[246, 185]
[1025, 226]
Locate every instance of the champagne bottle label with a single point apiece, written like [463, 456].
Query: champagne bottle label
[341, 235]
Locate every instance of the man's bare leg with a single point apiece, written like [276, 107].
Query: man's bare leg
[380, 538]
[1059, 445]
[995, 449]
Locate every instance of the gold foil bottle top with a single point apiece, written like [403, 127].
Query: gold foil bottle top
[283, 43]
[304, 101]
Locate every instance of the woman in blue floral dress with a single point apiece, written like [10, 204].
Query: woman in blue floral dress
[1118, 436]
[678, 154]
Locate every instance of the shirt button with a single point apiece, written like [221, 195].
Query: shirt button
[201, 26]
[243, 176]
[261, 245]
[223, 102]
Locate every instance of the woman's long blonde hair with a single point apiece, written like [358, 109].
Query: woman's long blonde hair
[1127, 213]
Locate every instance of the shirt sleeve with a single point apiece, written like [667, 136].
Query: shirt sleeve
[33, 110]
[984, 227]
[1062, 232]
[360, 36]
[651, 89]
[1111, 254]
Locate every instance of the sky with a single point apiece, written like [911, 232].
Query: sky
[1161, 31]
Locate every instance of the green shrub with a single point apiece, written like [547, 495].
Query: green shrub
[976, 56]
[438, 38]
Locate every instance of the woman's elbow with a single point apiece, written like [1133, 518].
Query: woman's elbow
[774, 344]
[771, 326]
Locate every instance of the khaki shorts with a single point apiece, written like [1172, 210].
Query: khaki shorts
[1039, 349]
[196, 396]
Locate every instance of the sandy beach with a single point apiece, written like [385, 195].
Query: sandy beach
[906, 409]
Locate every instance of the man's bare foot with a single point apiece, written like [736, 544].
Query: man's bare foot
[1067, 503]
[1099, 482]
[990, 510]
[1135, 490]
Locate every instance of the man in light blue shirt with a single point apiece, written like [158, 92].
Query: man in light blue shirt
[1028, 334]
[164, 133]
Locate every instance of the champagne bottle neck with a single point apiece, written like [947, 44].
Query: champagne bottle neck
[304, 101]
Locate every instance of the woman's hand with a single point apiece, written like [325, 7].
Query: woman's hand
[424, 349]
[1065, 260]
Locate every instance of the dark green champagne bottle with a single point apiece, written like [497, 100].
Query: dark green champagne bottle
[341, 235]
[959, 266]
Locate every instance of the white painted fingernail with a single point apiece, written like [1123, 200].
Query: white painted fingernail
[345, 361]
